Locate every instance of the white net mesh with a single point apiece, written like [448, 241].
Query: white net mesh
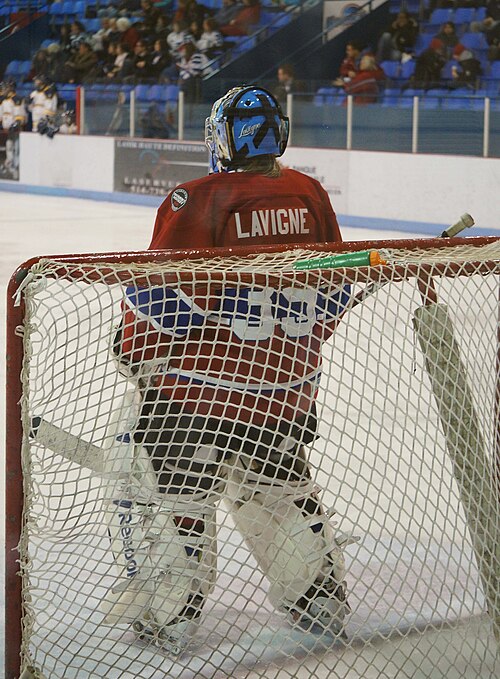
[407, 415]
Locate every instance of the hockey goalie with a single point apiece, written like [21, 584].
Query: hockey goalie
[226, 377]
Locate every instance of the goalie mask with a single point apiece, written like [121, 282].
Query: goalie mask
[245, 123]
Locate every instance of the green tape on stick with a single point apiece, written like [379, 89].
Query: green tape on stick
[362, 258]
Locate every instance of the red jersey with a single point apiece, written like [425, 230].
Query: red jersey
[242, 208]
[250, 353]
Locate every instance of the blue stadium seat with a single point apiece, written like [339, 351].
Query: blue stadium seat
[79, 8]
[172, 93]
[433, 98]
[423, 42]
[440, 16]
[477, 102]
[91, 25]
[480, 14]
[325, 95]
[141, 92]
[157, 93]
[391, 97]
[474, 41]
[12, 69]
[464, 15]
[68, 8]
[391, 69]
[495, 70]
[24, 68]
[406, 99]
[57, 8]
[407, 69]
[457, 100]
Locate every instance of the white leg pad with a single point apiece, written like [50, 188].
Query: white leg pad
[293, 549]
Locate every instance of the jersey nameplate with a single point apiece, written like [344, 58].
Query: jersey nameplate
[271, 222]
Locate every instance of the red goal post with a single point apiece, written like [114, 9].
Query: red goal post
[430, 263]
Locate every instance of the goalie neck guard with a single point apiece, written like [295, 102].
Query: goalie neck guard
[245, 123]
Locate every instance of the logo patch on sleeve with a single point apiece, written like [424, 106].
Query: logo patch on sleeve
[178, 199]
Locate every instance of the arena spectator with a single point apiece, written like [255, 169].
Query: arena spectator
[43, 101]
[428, 66]
[129, 7]
[160, 58]
[448, 37]
[178, 36]
[227, 12]
[468, 71]
[123, 65]
[39, 64]
[56, 59]
[180, 12]
[287, 83]
[350, 64]
[242, 23]
[365, 85]
[100, 38]
[162, 28]
[142, 68]
[196, 30]
[211, 41]
[82, 66]
[490, 26]
[149, 16]
[76, 35]
[191, 67]
[399, 39]
[114, 35]
[128, 32]
[195, 11]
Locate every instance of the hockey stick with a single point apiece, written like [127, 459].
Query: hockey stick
[72, 448]
[464, 222]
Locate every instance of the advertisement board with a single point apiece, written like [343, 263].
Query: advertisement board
[154, 167]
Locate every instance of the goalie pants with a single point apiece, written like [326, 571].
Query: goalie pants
[190, 452]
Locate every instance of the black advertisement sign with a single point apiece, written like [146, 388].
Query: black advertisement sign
[154, 168]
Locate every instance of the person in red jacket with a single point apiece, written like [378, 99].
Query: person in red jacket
[248, 16]
[365, 85]
[228, 375]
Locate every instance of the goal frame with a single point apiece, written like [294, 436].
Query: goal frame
[14, 495]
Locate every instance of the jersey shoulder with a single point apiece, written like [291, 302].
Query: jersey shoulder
[302, 179]
[183, 194]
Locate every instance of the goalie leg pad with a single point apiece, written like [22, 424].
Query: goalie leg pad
[183, 554]
[295, 546]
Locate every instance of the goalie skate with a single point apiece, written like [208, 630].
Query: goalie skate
[175, 636]
[322, 609]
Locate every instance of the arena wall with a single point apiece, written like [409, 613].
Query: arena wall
[382, 190]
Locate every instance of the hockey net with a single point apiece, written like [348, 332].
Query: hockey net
[408, 408]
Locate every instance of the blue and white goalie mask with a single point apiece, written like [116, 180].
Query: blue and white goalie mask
[245, 123]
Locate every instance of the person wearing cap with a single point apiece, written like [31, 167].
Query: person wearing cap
[429, 64]
[468, 69]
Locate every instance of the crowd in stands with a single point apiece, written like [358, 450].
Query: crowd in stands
[453, 44]
[451, 48]
[140, 42]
